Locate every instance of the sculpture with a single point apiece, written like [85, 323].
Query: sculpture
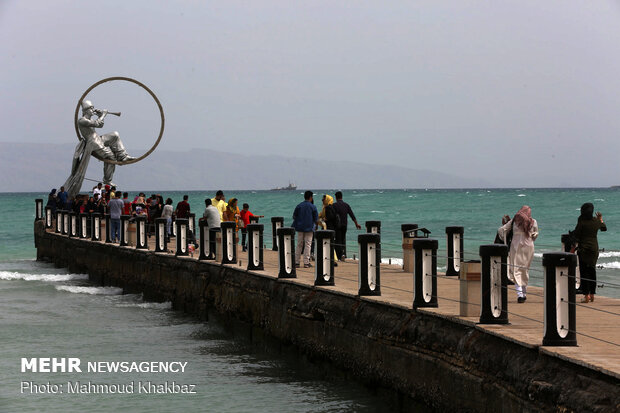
[108, 147]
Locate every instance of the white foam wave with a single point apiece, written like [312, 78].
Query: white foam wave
[609, 254]
[600, 200]
[158, 306]
[613, 265]
[394, 261]
[10, 275]
[538, 254]
[90, 290]
[377, 212]
[521, 195]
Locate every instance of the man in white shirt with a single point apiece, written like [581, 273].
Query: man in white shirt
[212, 215]
[98, 189]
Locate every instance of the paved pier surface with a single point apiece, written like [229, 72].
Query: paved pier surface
[598, 332]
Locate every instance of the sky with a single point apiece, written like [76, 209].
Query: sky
[519, 93]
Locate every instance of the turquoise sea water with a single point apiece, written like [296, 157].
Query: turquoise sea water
[46, 312]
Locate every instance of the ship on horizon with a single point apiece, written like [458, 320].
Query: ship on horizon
[290, 187]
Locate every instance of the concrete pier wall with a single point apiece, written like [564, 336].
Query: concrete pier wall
[442, 362]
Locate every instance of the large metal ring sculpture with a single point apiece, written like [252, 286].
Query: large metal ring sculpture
[143, 86]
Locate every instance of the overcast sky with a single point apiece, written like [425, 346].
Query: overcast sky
[522, 93]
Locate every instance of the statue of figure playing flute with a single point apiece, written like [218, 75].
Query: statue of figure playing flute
[103, 147]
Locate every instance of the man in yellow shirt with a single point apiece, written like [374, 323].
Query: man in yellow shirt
[219, 203]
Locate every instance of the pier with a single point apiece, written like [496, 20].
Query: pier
[448, 360]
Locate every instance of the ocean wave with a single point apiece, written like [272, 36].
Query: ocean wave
[610, 265]
[395, 261]
[90, 290]
[10, 275]
[521, 195]
[600, 200]
[157, 306]
[377, 212]
[609, 254]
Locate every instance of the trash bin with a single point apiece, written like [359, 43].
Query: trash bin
[469, 297]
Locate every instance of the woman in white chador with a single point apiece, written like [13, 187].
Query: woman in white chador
[524, 230]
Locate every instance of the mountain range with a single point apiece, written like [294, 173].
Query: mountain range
[26, 167]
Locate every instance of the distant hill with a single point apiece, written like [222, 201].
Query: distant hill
[39, 167]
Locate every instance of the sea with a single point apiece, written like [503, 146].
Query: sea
[50, 312]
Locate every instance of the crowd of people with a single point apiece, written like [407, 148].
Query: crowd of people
[519, 232]
[333, 216]
[106, 199]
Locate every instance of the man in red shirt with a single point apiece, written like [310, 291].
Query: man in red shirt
[182, 210]
[126, 204]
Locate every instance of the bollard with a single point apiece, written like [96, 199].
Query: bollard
[215, 246]
[560, 314]
[58, 222]
[84, 225]
[276, 222]
[286, 254]
[73, 225]
[141, 236]
[65, 222]
[255, 250]
[205, 245]
[369, 264]
[455, 250]
[95, 226]
[229, 246]
[182, 228]
[408, 236]
[108, 228]
[38, 209]
[425, 272]
[173, 224]
[373, 227]
[324, 249]
[567, 247]
[125, 230]
[253, 219]
[161, 238]
[48, 217]
[493, 284]
[192, 222]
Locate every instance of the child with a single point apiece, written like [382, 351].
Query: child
[244, 222]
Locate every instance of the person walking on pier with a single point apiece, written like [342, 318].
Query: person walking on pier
[524, 230]
[116, 210]
[305, 218]
[343, 210]
[167, 212]
[587, 249]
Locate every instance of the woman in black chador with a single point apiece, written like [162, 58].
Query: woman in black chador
[587, 250]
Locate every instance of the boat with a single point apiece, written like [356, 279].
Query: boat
[290, 187]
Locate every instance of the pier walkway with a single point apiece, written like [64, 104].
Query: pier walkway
[598, 323]
[598, 332]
